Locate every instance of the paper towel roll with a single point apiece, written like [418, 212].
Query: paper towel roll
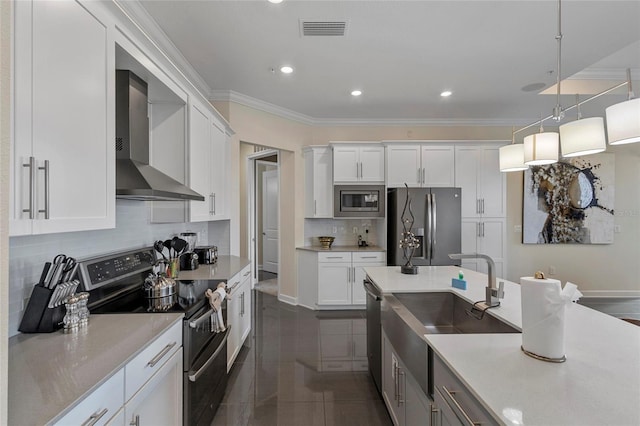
[542, 317]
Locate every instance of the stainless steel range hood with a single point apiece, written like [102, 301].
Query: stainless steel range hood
[135, 178]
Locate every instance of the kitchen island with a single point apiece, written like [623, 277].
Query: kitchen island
[598, 384]
[50, 373]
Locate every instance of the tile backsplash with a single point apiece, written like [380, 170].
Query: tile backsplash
[28, 254]
[344, 231]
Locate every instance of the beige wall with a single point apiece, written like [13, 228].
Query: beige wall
[5, 134]
[613, 269]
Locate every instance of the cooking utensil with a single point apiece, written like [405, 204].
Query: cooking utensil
[167, 244]
[179, 245]
[159, 246]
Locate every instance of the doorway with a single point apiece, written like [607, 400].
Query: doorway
[264, 234]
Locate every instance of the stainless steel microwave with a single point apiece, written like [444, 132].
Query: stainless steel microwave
[358, 201]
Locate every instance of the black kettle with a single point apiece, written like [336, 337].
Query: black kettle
[189, 261]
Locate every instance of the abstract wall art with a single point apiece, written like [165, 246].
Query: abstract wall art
[570, 202]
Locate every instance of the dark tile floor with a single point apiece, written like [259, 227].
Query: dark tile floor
[302, 367]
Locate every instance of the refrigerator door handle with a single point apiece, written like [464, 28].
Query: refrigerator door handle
[434, 210]
[427, 241]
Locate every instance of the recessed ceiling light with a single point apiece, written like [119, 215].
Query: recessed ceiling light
[286, 69]
[356, 93]
[275, 1]
[446, 93]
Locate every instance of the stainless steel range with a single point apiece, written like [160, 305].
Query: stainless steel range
[115, 285]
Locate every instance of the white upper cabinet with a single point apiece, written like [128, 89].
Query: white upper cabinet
[420, 165]
[208, 164]
[63, 152]
[318, 182]
[483, 185]
[358, 163]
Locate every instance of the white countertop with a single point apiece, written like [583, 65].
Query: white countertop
[50, 372]
[341, 248]
[598, 384]
[225, 268]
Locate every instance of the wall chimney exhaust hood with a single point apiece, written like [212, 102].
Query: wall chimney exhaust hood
[135, 178]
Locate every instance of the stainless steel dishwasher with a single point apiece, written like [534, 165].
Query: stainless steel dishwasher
[374, 332]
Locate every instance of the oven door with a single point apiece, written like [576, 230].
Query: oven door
[205, 382]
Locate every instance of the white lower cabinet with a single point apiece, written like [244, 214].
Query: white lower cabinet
[403, 396]
[159, 401]
[340, 276]
[146, 391]
[454, 405]
[238, 312]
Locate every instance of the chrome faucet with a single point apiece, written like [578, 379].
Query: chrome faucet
[493, 293]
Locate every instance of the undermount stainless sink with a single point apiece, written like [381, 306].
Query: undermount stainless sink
[446, 313]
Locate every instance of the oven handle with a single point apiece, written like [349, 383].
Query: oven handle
[204, 317]
[193, 377]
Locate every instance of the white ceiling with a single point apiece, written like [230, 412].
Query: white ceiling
[402, 54]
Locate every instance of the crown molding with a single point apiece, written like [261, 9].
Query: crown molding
[153, 32]
[239, 98]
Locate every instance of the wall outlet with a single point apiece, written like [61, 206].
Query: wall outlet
[552, 270]
[335, 229]
[517, 229]
[355, 229]
[617, 229]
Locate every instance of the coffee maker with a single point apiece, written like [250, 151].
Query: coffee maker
[189, 259]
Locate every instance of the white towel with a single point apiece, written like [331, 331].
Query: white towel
[215, 301]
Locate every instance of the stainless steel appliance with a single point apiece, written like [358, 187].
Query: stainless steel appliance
[437, 224]
[360, 201]
[115, 283]
[207, 255]
[135, 178]
[374, 333]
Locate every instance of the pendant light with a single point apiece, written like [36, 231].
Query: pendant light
[512, 156]
[584, 136]
[623, 119]
[541, 148]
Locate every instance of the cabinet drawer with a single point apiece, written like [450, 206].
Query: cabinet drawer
[369, 256]
[100, 406]
[457, 397]
[151, 359]
[334, 257]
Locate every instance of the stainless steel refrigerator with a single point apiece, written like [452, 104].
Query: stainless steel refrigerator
[437, 223]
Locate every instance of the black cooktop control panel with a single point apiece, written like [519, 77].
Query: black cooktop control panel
[100, 271]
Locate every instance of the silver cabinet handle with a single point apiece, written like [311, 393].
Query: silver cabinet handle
[478, 229]
[395, 382]
[482, 228]
[214, 203]
[32, 192]
[194, 376]
[211, 203]
[334, 257]
[315, 207]
[135, 421]
[246, 273]
[160, 355]
[46, 189]
[424, 178]
[242, 306]
[233, 287]
[433, 421]
[95, 417]
[483, 206]
[449, 397]
[418, 174]
[368, 257]
[401, 374]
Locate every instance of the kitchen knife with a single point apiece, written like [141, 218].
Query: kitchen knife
[68, 276]
[45, 273]
[57, 274]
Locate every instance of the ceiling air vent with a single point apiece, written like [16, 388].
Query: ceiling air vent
[323, 28]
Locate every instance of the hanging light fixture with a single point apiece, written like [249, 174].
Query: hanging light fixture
[623, 119]
[584, 136]
[512, 156]
[541, 148]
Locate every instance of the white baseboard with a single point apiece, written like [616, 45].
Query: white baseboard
[612, 293]
[288, 299]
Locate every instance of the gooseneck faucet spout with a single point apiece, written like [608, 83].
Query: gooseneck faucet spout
[493, 293]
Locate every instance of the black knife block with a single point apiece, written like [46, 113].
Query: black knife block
[38, 318]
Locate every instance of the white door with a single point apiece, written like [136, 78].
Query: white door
[270, 221]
